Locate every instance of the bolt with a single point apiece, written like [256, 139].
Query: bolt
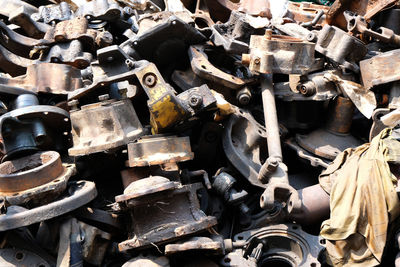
[257, 61]
[104, 97]
[195, 100]
[123, 92]
[243, 96]
[73, 105]
[129, 63]
[150, 79]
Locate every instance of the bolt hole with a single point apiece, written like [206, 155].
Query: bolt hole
[227, 260]
[56, 181]
[240, 237]
[295, 227]
[260, 132]
[19, 256]
[322, 241]
[240, 111]
[204, 67]
[313, 264]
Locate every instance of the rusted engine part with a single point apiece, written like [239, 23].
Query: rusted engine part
[201, 15]
[380, 69]
[17, 257]
[45, 78]
[162, 211]
[275, 245]
[147, 260]
[304, 88]
[364, 8]
[30, 127]
[35, 179]
[279, 195]
[357, 24]
[104, 10]
[12, 64]
[71, 53]
[91, 241]
[340, 47]
[389, 18]
[233, 35]
[335, 137]
[53, 13]
[224, 184]
[77, 194]
[204, 69]
[279, 54]
[157, 150]
[102, 126]
[7, 7]
[78, 29]
[244, 143]
[214, 245]
[22, 17]
[306, 12]
[167, 109]
[162, 43]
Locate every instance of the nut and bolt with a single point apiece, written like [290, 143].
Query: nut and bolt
[123, 92]
[150, 79]
[195, 101]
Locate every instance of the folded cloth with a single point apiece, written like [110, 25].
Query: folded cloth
[363, 201]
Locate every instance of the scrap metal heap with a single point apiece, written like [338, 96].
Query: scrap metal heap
[184, 133]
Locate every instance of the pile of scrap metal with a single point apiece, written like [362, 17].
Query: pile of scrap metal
[194, 133]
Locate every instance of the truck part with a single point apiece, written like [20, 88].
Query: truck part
[275, 245]
[279, 54]
[53, 13]
[103, 126]
[13, 64]
[307, 12]
[340, 47]
[77, 194]
[17, 257]
[337, 131]
[6, 7]
[380, 69]
[214, 245]
[173, 207]
[30, 127]
[22, 17]
[157, 150]
[104, 10]
[35, 179]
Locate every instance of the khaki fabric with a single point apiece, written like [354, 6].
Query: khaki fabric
[363, 201]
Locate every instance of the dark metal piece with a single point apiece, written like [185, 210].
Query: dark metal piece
[17, 257]
[30, 127]
[105, 10]
[162, 211]
[22, 17]
[79, 194]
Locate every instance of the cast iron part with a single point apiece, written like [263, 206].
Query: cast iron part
[161, 212]
[30, 127]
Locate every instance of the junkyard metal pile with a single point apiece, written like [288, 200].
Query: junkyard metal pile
[193, 132]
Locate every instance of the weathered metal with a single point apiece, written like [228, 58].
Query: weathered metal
[31, 127]
[161, 211]
[157, 150]
[12, 257]
[22, 17]
[103, 126]
[35, 179]
[214, 245]
[306, 11]
[78, 194]
[275, 245]
[279, 54]
[53, 13]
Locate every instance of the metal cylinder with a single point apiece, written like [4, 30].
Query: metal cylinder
[340, 116]
[25, 100]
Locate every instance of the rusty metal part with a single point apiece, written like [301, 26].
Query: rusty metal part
[311, 87]
[214, 245]
[340, 47]
[7, 7]
[46, 78]
[357, 24]
[95, 243]
[275, 245]
[364, 8]
[103, 126]
[306, 11]
[336, 130]
[71, 53]
[36, 179]
[279, 54]
[204, 69]
[296, 30]
[304, 154]
[105, 10]
[77, 29]
[78, 194]
[380, 69]
[157, 150]
[162, 211]
[21, 17]
[30, 127]
[148, 261]
[13, 64]
[10, 257]
[53, 13]
[244, 143]
[378, 125]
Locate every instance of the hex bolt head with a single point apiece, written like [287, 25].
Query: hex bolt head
[123, 92]
[104, 97]
[195, 100]
[149, 79]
